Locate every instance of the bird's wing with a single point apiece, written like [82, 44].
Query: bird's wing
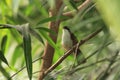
[73, 37]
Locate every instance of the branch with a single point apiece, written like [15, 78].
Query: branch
[70, 51]
[49, 50]
[80, 8]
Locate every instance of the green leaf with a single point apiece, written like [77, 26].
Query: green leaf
[27, 50]
[46, 29]
[73, 4]
[17, 54]
[50, 41]
[2, 57]
[4, 72]
[36, 35]
[16, 35]
[3, 43]
[54, 18]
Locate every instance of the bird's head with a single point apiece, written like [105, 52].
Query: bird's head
[66, 28]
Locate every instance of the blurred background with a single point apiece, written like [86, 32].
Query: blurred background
[102, 51]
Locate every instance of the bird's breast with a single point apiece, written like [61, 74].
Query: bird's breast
[66, 40]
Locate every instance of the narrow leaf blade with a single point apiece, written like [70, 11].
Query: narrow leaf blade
[3, 43]
[27, 54]
[2, 58]
[17, 54]
[73, 5]
[27, 49]
[4, 72]
[54, 18]
[50, 41]
[46, 29]
[36, 35]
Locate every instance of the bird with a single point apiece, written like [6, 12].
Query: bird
[68, 41]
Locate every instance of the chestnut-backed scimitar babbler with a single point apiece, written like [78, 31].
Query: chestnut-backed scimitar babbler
[68, 41]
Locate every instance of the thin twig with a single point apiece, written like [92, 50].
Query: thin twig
[92, 64]
[93, 53]
[104, 75]
[24, 68]
[80, 8]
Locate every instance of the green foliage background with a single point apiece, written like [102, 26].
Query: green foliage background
[104, 62]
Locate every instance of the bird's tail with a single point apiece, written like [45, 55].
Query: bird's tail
[80, 58]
